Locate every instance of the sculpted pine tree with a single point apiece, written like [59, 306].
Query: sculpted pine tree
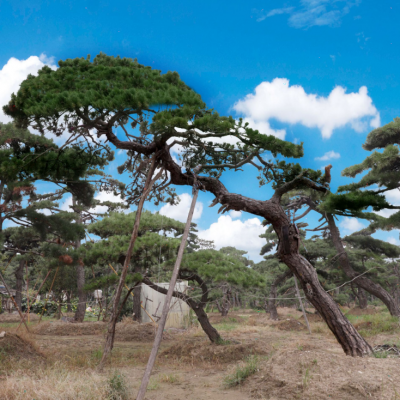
[355, 199]
[325, 206]
[158, 111]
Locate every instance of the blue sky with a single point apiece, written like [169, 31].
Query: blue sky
[289, 50]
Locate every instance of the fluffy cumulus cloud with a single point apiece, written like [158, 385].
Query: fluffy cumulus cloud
[181, 210]
[235, 214]
[350, 225]
[243, 235]
[291, 104]
[14, 72]
[329, 155]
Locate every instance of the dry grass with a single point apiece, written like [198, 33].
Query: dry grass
[15, 318]
[299, 365]
[57, 382]
[59, 328]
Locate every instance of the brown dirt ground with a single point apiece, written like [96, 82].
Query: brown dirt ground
[292, 363]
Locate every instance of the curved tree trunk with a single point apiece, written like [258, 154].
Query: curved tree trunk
[197, 307]
[288, 251]
[19, 277]
[362, 281]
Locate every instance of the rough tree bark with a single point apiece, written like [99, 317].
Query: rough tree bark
[362, 298]
[271, 210]
[69, 306]
[80, 279]
[363, 282]
[19, 283]
[225, 304]
[137, 308]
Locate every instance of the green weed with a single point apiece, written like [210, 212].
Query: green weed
[117, 389]
[242, 372]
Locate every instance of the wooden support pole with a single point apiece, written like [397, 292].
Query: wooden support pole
[38, 291]
[301, 303]
[109, 343]
[12, 299]
[45, 303]
[163, 319]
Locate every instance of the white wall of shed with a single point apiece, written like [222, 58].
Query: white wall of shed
[178, 314]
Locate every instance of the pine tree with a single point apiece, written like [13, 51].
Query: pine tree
[110, 92]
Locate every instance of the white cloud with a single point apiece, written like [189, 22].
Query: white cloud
[392, 240]
[101, 196]
[386, 212]
[314, 13]
[243, 235]
[292, 105]
[180, 212]
[351, 225]
[14, 72]
[235, 214]
[276, 11]
[393, 198]
[330, 155]
[265, 128]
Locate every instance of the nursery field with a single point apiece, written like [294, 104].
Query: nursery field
[259, 359]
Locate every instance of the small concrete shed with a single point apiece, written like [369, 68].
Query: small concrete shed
[153, 303]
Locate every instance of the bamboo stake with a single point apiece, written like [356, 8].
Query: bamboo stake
[38, 291]
[164, 315]
[45, 303]
[127, 288]
[12, 299]
[301, 304]
[109, 343]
